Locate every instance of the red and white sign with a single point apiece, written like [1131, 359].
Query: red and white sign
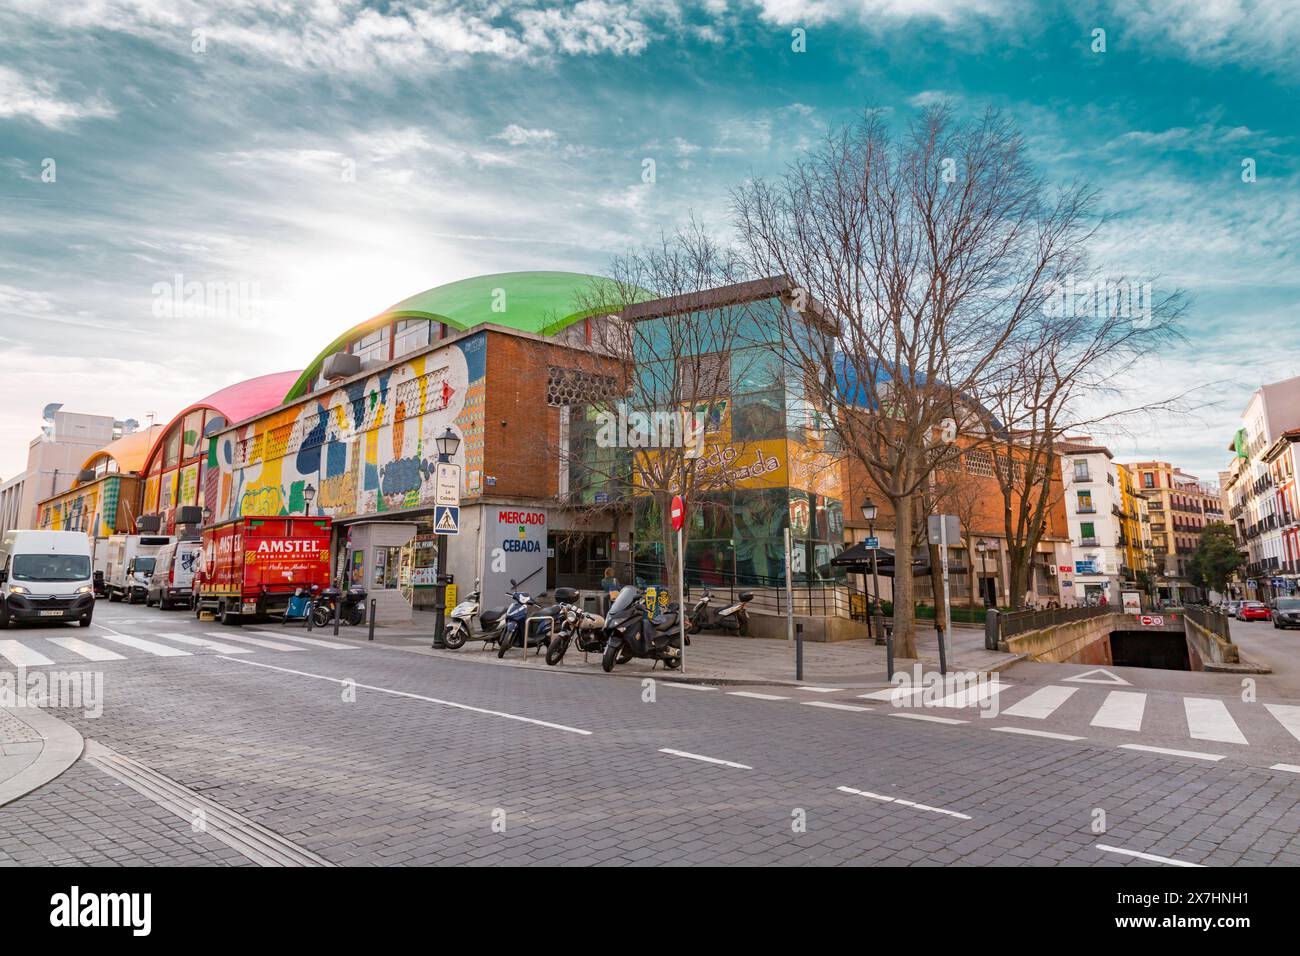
[1151, 620]
[1065, 568]
[678, 512]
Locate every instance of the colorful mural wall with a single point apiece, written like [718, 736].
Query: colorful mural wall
[92, 508]
[366, 447]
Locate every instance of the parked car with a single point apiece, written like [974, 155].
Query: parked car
[1255, 611]
[1231, 607]
[1286, 612]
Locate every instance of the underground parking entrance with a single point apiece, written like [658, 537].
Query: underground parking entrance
[1191, 638]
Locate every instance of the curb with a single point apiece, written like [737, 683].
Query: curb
[63, 747]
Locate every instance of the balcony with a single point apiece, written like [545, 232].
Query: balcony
[1085, 510]
[1088, 542]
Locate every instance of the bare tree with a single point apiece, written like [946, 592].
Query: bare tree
[1063, 376]
[931, 252]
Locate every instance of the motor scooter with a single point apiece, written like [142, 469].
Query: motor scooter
[733, 619]
[460, 626]
[352, 611]
[629, 633]
[526, 623]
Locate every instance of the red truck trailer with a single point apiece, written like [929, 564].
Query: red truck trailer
[251, 566]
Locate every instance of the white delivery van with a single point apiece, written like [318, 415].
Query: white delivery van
[131, 559]
[45, 576]
[173, 575]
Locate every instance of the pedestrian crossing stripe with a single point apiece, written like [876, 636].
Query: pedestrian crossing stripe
[1087, 678]
[34, 653]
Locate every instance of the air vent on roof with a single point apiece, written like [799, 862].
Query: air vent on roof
[189, 514]
[148, 524]
[340, 365]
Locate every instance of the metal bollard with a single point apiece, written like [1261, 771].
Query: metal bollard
[371, 622]
[338, 611]
[311, 611]
[798, 651]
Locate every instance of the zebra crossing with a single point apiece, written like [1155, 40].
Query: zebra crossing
[1080, 711]
[40, 650]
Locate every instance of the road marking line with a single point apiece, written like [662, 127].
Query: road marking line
[684, 686]
[20, 655]
[896, 695]
[819, 690]
[255, 641]
[1208, 719]
[314, 642]
[1173, 753]
[1122, 710]
[755, 696]
[973, 696]
[402, 693]
[90, 652]
[1288, 767]
[1042, 703]
[1087, 678]
[691, 756]
[931, 718]
[1287, 716]
[901, 802]
[205, 642]
[1028, 732]
[831, 705]
[1145, 856]
[149, 647]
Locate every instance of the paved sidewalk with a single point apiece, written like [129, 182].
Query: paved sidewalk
[716, 658]
[35, 747]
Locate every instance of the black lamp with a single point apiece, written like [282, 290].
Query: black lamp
[447, 444]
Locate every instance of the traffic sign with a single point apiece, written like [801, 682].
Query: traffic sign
[678, 512]
[871, 542]
[446, 520]
[1151, 620]
[447, 485]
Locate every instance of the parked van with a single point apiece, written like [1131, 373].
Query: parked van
[131, 559]
[173, 575]
[45, 576]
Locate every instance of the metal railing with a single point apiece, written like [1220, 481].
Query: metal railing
[826, 597]
[1210, 618]
[1002, 625]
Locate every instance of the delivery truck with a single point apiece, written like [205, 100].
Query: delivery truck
[250, 567]
[45, 576]
[131, 559]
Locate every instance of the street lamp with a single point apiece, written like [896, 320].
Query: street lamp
[869, 516]
[448, 443]
[308, 496]
[982, 546]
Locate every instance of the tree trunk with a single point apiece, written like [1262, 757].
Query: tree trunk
[904, 609]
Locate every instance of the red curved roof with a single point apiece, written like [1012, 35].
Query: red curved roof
[235, 402]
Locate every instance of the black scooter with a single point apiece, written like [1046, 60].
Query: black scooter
[352, 611]
[629, 633]
[733, 619]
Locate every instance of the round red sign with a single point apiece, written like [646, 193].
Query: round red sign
[678, 512]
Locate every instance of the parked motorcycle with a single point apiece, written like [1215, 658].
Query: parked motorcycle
[519, 618]
[629, 633]
[733, 619]
[460, 627]
[352, 611]
[574, 625]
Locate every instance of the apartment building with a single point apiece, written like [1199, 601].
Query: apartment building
[1096, 516]
[1283, 461]
[1255, 502]
[1180, 506]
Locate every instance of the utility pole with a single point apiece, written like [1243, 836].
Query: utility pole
[447, 502]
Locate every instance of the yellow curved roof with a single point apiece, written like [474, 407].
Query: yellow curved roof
[129, 451]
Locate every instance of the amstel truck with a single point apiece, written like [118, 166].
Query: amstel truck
[251, 567]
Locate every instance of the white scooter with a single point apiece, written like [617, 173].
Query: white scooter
[731, 620]
[460, 624]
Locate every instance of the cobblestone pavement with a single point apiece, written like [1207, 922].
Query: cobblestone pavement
[379, 756]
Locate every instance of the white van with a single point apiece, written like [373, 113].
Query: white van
[173, 575]
[45, 576]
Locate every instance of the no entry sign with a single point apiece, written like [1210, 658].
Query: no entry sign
[678, 512]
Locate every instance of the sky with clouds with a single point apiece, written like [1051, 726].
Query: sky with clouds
[325, 160]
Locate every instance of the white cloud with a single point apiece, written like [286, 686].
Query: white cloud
[1264, 32]
[39, 99]
[817, 12]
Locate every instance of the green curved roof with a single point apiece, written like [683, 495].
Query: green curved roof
[540, 302]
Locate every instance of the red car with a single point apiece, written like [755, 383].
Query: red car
[1255, 611]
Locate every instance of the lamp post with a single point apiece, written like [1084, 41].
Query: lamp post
[982, 546]
[447, 444]
[869, 516]
[308, 496]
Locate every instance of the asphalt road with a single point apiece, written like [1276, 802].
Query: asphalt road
[339, 753]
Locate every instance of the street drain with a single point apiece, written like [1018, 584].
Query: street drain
[254, 841]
